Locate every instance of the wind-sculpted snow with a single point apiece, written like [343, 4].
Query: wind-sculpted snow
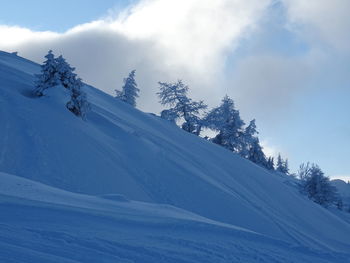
[120, 154]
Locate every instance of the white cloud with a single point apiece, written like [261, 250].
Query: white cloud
[161, 39]
[321, 20]
[189, 39]
[269, 150]
[195, 32]
[269, 81]
[13, 36]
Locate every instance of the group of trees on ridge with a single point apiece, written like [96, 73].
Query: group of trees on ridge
[224, 119]
[192, 116]
[316, 186]
[231, 134]
[57, 72]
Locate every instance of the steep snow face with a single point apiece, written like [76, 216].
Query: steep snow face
[43, 224]
[120, 150]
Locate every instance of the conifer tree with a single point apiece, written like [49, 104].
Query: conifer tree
[270, 163]
[317, 186]
[286, 167]
[48, 77]
[65, 73]
[175, 96]
[256, 154]
[282, 166]
[225, 119]
[129, 91]
[279, 165]
[78, 103]
[249, 135]
[56, 71]
[252, 149]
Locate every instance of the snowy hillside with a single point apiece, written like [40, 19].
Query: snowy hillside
[44, 224]
[123, 153]
[343, 190]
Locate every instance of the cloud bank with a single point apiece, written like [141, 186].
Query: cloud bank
[195, 40]
[162, 40]
[321, 21]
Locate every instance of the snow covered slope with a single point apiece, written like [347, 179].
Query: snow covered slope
[120, 150]
[43, 224]
[343, 190]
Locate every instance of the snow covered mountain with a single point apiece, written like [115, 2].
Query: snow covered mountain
[220, 204]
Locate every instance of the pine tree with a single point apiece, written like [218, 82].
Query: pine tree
[78, 103]
[48, 77]
[65, 73]
[286, 167]
[56, 71]
[129, 91]
[256, 154]
[249, 136]
[304, 171]
[225, 119]
[282, 166]
[251, 148]
[317, 186]
[175, 96]
[279, 165]
[172, 93]
[270, 163]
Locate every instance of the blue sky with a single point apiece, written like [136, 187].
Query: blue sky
[282, 61]
[56, 16]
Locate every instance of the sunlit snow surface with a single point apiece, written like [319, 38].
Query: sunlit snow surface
[196, 202]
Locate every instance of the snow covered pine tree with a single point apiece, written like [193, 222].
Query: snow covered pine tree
[282, 166]
[270, 163]
[252, 149]
[316, 185]
[78, 103]
[56, 71]
[129, 91]
[48, 77]
[226, 120]
[175, 96]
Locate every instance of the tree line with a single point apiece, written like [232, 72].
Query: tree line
[193, 116]
[232, 134]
